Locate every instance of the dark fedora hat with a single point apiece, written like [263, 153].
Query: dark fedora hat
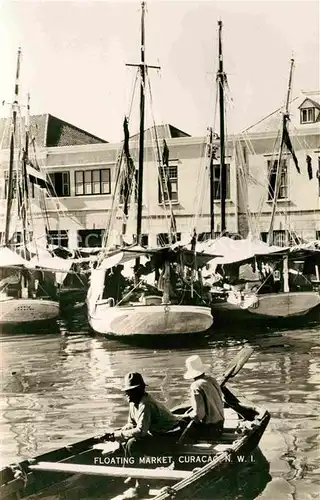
[132, 381]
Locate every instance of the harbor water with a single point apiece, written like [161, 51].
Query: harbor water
[63, 385]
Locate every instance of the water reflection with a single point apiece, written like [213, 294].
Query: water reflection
[246, 483]
[62, 387]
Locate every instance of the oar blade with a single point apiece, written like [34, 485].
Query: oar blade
[237, 363]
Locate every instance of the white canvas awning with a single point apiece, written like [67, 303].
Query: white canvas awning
[9, 258]
[46, 261]
[122, 257]
[233, 251]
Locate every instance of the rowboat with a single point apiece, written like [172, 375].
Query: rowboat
[99, 466]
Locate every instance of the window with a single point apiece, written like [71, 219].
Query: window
[307, 115]
[168, 183]
[59, 238]
[163, 238]
[272, 175]
[60, 183]
[144, 240]
[14, 185]
[90, 238]
[217, 183]
[283, 238]
[207, 236]
[88, 182]
[279, 238]
[264, 236]
[203, 236]
[212, 149]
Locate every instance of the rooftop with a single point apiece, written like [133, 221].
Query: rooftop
[49, 131]
[272, 122]
[166, 131]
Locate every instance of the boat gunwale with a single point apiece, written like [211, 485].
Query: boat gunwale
[220, 461]
[259, 420]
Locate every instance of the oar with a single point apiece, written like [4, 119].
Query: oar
[185, 432]
[232, 370]
[236, 364]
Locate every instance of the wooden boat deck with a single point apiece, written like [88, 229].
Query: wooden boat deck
[192, 464]
[78, 460]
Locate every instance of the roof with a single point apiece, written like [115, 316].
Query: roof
[50, 131]
[313, 102]
[272, 122]
[165, 131]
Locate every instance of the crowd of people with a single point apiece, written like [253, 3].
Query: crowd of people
[183, 287]
[259, 277]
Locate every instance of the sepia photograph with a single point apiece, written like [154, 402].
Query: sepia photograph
[159, 249]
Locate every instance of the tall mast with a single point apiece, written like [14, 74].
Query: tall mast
[143, 70]
[25, 194]
[141, 133]
[223, 177]
[279, 166]
[12, 146]
[211, 185]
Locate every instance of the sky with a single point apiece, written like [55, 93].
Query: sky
[74, 57]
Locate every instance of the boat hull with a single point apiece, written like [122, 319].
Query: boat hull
[271, 306]
[149, 320]
[286, 305]
[50, 473]
[26, 311]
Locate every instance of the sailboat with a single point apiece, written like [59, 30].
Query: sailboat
[150, 313]
[24, 294]
[268, 264]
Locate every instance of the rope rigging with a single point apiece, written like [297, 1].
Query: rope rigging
[163, 175]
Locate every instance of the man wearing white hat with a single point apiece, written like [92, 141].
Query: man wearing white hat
[206, 399]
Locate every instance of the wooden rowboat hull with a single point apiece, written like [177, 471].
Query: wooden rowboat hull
[48, 475]
[149, 320]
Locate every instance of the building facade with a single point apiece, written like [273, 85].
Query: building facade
[297, 216]
[82, 169]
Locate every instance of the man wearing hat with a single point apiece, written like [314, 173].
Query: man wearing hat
[206, 399]
[150, 427]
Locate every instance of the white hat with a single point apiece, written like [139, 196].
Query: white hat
[195, 367]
